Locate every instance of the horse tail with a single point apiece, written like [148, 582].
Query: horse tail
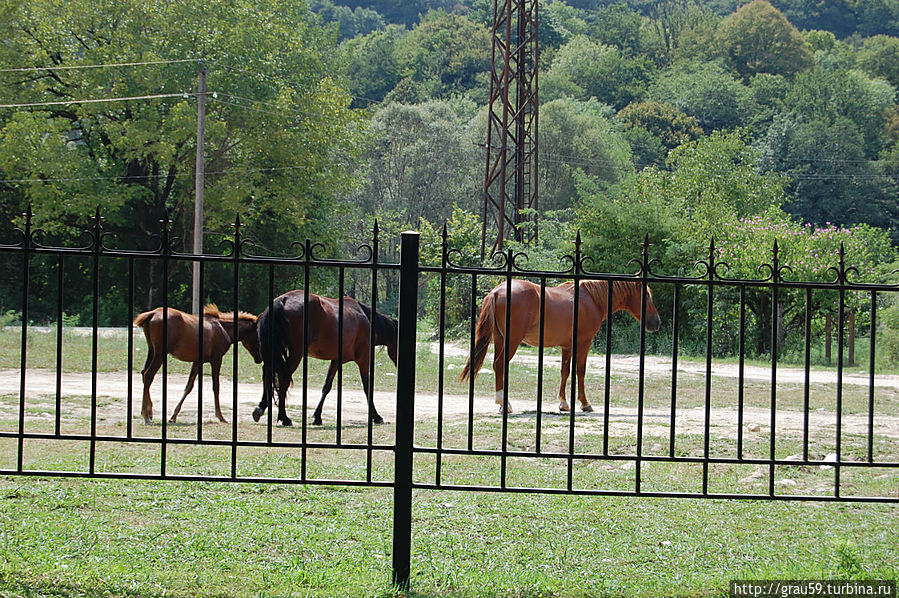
[274, 329]
[142, 320]
[483, 334]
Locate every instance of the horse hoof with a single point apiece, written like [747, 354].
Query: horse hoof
[377, 420]
[148, 421]
[587, 407]
[257, 413]
[286, 422]
[173, 420]
[563, 407]
[316, 421]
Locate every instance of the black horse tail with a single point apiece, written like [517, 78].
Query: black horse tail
[273, 342]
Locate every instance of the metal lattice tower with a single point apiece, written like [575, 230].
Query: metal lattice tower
[510, 180]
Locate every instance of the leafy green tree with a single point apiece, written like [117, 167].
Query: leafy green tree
[877, 17]
[421, 161]
[279, 131]
[664, 121]
[371, 65]
[444, 55]
[578, 139]
[879, 57]
[350, 23]
[707, 92]
[584, 69]
[759, 39]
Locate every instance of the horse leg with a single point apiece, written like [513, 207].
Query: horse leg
[366, 387]
[499, 367]
[581, 372]
[267, 390]
[283, 384]
[148, 373]
[216, 370]
[329, 380]
[187, 388]
[566, 370]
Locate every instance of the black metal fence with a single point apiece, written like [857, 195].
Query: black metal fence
[669, 424]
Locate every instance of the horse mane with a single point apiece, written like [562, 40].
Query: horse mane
[212, 310]
[598, 290]
[383, 327]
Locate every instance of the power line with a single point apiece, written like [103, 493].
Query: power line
[93, 66]
[100, 100]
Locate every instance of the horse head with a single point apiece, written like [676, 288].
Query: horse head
[633, 305]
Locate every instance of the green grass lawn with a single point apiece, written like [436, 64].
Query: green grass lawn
[109, 537]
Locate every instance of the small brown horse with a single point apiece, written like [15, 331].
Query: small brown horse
[281, 341]
[557, 326]
[183, 342]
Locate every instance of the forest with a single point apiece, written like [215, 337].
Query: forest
[687, 120]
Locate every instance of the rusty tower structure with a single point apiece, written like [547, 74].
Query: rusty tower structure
[510, 180]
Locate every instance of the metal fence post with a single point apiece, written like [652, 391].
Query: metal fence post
[405, 396]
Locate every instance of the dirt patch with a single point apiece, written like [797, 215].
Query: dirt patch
[113, 390]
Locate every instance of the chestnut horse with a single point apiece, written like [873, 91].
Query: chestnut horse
[183, 342]
[557, 326]
[282, 344]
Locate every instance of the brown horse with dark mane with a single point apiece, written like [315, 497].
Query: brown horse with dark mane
[557, 325]
[283, 346]
[183, 342]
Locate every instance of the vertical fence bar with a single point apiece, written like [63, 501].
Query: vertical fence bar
[341, 283]
[201, 333]
[405, 410]
[572, 369]
[441, 359]
[304, 431]
[871, 378]
[472, 374]
[95, 337]
[641, 383]
[806, 395]
[375, 258]
[59, 324]
[166, 249]
[539, 424]
[841, 324]
[708, 368]
[504, 407]
[23, 359]
[607, 391]
[236, 287]
[129, 401]
[675, 322]
[269, 387]
[772, 448]
[741, 376]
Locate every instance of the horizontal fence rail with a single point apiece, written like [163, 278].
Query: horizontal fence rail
[678, 412]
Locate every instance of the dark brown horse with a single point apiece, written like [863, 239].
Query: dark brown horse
[282, 344]
[557, 326]
[183, 342]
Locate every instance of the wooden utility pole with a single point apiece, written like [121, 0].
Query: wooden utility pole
[200, 183]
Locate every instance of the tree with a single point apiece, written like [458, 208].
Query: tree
[279, 130]
[706, 91]
[421, 161]
[759, 39]
[584, 69]
[371, 65]
[879, 57]
[664, 121]
[350, 23]
[577, 140]
[444, 55]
